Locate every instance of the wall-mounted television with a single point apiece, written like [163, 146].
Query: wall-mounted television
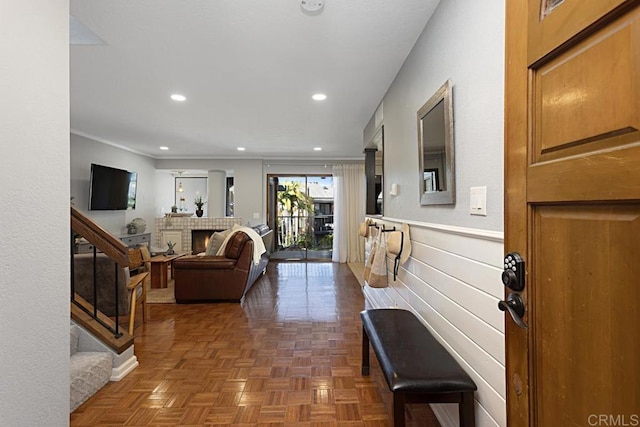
[112, 189]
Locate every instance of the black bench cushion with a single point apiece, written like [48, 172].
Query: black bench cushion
[411, 359]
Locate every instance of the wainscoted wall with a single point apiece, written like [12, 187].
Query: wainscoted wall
[452, 283]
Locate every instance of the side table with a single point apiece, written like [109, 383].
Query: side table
[159, 268]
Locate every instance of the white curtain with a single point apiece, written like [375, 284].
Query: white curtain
[349, 203]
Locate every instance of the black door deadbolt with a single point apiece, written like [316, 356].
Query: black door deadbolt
[514, 271]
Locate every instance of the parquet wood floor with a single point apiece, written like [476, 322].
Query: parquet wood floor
[288, 356]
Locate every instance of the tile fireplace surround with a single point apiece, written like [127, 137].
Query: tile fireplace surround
[191, 223]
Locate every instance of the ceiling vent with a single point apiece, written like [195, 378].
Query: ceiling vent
[312, 6]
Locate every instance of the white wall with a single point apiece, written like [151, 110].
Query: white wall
[85, 151]
[34, 273]
[248, 182]
[248, 196]
[301, 168]
[250, 179]
[156, 184]
[452, 280]
[463, 41]
[165, 183]
[192, 187]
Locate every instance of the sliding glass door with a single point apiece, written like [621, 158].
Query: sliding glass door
[300, 210]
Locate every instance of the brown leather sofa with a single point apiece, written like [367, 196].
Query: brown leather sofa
[219, 278]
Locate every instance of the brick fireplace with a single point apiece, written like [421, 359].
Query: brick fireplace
[184, 226]
[200, 240]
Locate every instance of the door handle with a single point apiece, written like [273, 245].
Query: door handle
[514, 305]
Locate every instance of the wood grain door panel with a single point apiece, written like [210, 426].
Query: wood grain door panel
[572, 209]
[607, 174]
[574, 112]
[566, 21]
[586, 352]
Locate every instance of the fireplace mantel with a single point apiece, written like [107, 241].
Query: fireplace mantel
[185, 225]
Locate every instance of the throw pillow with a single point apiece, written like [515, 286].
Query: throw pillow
[208, 249]
[215, 241]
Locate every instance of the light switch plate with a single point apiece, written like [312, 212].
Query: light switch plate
[478, 202]
[256, 215]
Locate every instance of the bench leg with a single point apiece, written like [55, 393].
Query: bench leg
[398, 409]
[365, 352]
[465, 410]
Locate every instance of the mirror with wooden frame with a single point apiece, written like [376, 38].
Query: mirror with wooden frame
[436, 149]
[374, 172]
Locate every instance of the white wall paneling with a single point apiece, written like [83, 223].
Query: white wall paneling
[455, 292]
[453, 282]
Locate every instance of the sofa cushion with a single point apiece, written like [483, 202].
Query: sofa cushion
[215, 241]
[261, 229]
[235, 245]
[204, 263]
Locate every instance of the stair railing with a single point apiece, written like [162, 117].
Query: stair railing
[102, 242]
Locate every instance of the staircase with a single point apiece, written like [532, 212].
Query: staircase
[100, 350]
[89, 371]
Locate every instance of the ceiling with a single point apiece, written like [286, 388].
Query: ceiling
[248, 69]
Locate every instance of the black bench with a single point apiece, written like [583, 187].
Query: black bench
[418, 369]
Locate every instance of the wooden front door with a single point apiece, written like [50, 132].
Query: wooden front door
[572, 209]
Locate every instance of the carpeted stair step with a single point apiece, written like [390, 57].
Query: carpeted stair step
[89, 371]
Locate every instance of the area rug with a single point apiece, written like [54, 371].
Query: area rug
[162, 296]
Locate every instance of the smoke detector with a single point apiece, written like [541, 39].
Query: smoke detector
[311, 5]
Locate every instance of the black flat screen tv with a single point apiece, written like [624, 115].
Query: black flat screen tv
[112, 189]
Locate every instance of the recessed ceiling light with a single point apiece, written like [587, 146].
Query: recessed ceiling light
[317, 148]
[178, 97]
[164, 148]
[241, 148]
[319, 97]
